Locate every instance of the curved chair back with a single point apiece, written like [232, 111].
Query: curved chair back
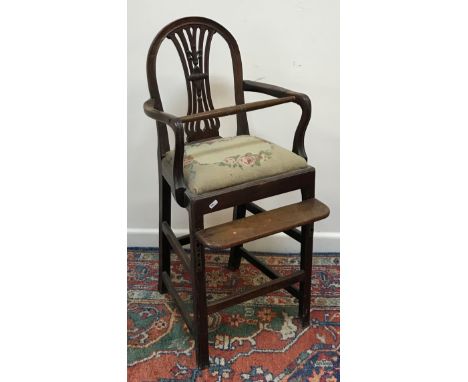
[192, 37]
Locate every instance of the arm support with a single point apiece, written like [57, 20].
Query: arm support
[177, 126]
[301, 99]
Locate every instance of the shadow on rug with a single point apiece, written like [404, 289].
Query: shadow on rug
[259, 340]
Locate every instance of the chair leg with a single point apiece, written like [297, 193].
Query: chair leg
[164, 246]
[307, 233]
[200, 313]
[235, 256]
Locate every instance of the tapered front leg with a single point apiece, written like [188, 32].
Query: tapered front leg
[200, 314]
[164, 246]
[235, 256]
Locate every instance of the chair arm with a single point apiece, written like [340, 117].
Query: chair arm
[301, 99]
[158, 115]
[215, 113]
[178, 128]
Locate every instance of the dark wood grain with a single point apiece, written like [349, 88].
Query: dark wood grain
[178, 301]
[264, 224]
[194, 55]
[200, 311]
[192, 38]
[236, 109]
[301, 99]
[176, 246]
[265, 269]
[235, 255]
[184, 239]
[164, 219]
[261, 290]
[307, 233]
[256, 209]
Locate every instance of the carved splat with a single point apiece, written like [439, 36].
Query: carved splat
[193, 45]
[192, 37]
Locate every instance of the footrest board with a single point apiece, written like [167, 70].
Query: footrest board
[266, 223]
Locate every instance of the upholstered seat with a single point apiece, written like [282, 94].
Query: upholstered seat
[223, 162]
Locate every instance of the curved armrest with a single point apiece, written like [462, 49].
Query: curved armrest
[177, 126]
[301, 99]
[158, 115]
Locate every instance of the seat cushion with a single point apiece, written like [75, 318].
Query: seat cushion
[224, 162]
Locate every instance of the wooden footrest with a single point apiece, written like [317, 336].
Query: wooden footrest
[266, 223]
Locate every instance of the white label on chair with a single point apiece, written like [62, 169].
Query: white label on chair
[213, 204]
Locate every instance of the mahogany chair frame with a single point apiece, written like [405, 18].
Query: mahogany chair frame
[192, 38]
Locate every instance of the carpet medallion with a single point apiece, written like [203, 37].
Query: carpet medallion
[259, 340]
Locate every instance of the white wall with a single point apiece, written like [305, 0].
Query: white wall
[293, 44]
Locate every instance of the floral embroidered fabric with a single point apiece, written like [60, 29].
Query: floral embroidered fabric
[225, 162]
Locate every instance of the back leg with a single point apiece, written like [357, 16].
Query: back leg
[235, 256]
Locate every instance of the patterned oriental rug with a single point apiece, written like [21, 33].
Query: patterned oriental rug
[259, 340]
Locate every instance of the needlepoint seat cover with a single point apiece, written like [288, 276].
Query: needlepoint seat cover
[223, 162]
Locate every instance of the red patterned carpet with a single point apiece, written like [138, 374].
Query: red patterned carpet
[260, 340]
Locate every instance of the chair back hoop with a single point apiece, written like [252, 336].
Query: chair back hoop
[192, 38]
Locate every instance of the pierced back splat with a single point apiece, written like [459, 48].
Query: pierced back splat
[193, 45]
[192, 37]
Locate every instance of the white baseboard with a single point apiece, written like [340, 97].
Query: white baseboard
[279, 243]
